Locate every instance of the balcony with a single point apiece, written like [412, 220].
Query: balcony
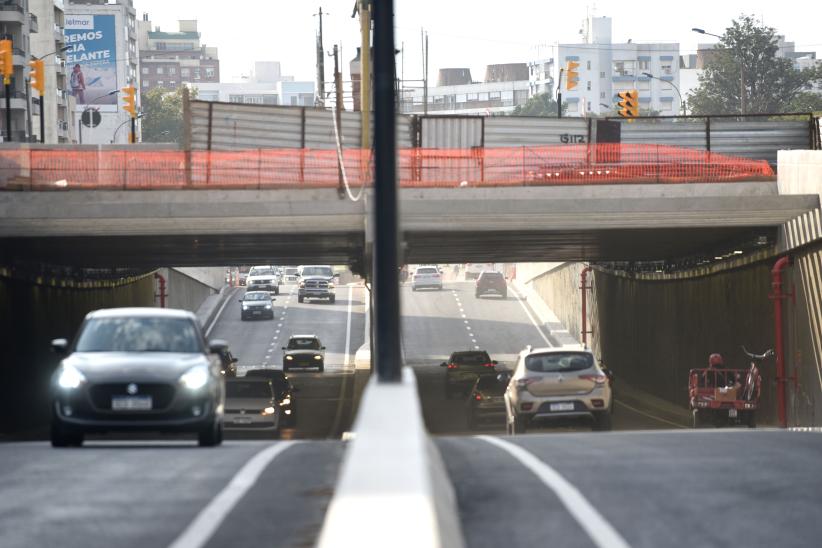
[12, 11]
[34, 25]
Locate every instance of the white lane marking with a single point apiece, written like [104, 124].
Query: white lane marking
[277, 331]
[602, 533]
[348, 326]
[635, 410]
[464, 316]
[200, 530]
[466, 321]
[476, 347]
[468, 327]
[219, 313]
[530, 317]
[279, 324]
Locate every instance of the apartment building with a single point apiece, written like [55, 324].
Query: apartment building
[167, 59]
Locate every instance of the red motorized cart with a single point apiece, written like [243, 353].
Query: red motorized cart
[722, 397]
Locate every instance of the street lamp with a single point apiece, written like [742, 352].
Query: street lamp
[42, 95]
[681, 102]
[88, 108]
[742, 99]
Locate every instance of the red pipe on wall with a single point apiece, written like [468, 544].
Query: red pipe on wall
[584, 287]
[777, 295]
[162, 294]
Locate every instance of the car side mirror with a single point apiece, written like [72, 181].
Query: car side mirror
[322, 348]
[239, 300]
[59, 346]
[495, 362]
[234, 360]
[443, 364]
[284, 348]
[216, 346]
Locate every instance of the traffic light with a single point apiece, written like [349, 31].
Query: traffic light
[38, 78]
[6, 61]
[629, 104]
[572, 75]
[129, 101]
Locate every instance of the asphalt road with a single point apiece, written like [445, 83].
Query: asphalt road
[436, 323]
[141, 494]
[324, 399]
[650, 489]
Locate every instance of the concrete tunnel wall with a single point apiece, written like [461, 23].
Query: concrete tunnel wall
[31, 316]
[651, 332]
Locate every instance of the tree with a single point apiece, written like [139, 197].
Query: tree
[541, 104]
[163, 115]
[747, 53]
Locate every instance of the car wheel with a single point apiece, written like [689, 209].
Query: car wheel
[504, 294]
[321, 368]
[750, 419]
[602, 422]
[212, 435]
[276, 290]
[242, 317]
[63, 437]
[413, 288]
[519, 425]
[472, 421]
[332, 299]
[300, 299]
[285, 368]
[699, 419]
[477, 295]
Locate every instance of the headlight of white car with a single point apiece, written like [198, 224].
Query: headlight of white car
[268, 307]
[289, 357]
[245, 307]
[330, 285]
[70, 378]
[302, 284]
[269, 411]
[318, 357]
[195, 378]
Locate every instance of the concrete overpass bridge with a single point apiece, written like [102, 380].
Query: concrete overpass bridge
[217, 227]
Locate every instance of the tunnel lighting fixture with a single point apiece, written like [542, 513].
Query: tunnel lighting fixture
[738, 252]
[718, 258]
[285, 401]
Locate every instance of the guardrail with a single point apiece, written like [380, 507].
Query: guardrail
[53, 169]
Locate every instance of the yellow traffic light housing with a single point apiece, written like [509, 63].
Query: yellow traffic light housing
[6, 61]
[629, 103]
[572, 76]
[130, 100]
[38, 78]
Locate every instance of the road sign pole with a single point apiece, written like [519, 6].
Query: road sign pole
[132, 138]
[42, 119]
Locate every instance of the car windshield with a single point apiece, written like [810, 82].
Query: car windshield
[496, 276]
[142, 334]
[291, 271]
[261, 272]
[304, 343]
[318, 271]
[470, 358]
[257, 296]
[559, 362]
[247, 389]
[427, 271]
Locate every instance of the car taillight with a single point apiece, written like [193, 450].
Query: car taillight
[488, 365]
[478, 397]
[599, 379]
[452, 366]
[527, 406]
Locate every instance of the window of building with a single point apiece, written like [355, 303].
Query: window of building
[470, 96]
[624, 68]
[602, 95]
[160, 70]
[589, 85]
[145, 70]
[197, 73]
[235, 98]
[494, 96]
[209, 72]
[185, 72]
[173, 83]
[588, 65]
[520, 96]
[573, 107]
[482, 96]
[294, 100]
[665, 68]
[666, 103]
[160, 83]
[643, 84]
[644, 65]
[146, 83]
[172, 70]
[602, 74]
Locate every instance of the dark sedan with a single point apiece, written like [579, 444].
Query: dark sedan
[138, 369]
[463, 369]
[283, 390]
[487, 400]
[256, 304]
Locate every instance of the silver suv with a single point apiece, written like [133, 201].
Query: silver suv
[557, 383]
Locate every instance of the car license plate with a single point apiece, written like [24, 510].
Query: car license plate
[562, 407]
[242, 420]
[732, 413]
[131, 403]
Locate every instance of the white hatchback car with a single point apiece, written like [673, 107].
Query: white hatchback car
[557, 383]
[426, 276]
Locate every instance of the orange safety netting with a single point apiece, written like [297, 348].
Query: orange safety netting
[308, 168]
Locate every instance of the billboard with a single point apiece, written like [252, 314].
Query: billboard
[91, 63]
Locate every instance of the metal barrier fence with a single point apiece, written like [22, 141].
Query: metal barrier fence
[37, 169]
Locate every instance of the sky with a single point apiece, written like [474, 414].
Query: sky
[461, 33]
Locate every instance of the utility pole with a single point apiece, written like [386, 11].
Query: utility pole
[338, 108]
[559, 94]
[7, 69]
[424, 40]
[319, 99]
[365, 73]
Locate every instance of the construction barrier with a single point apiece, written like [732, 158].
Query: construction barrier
[585, 164]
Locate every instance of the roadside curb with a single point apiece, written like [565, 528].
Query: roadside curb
[557, 332]
[212, 306]
[644, 401]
